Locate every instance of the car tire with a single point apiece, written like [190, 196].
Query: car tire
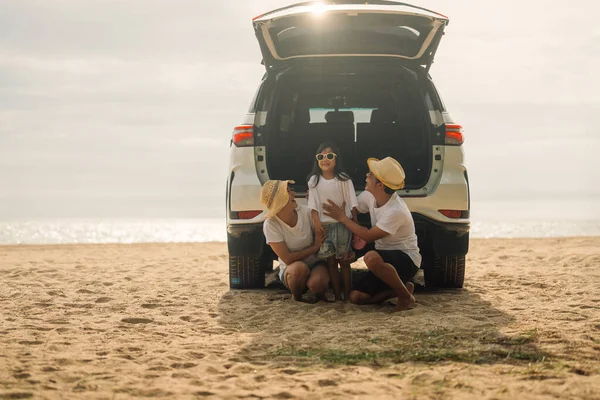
[446, 272]
[246, 272]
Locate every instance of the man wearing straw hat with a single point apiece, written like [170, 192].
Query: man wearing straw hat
[289, 230]
[395, 259]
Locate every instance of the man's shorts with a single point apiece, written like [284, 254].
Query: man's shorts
[402, 263]
[337, 242]
[312, 261]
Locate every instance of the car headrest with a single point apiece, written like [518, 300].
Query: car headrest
[301, 116]
[339, 117]
[382, 117]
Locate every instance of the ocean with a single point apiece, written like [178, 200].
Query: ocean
[68, 231]
[498, 218]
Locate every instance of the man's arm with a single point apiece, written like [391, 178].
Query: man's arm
[369, 235]
[355, 214]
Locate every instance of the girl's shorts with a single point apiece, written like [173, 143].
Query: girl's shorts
[337, 242]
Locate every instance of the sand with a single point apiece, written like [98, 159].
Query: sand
[159, 320]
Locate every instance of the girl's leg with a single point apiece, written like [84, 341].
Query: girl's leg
[346, 273]
[343, 247]
[332, 265]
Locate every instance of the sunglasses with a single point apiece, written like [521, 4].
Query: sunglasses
[329, 156]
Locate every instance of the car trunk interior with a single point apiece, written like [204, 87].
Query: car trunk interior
[367, 112]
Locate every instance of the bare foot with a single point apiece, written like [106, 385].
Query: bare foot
[323, 298]
[308, 301]
[405, 304]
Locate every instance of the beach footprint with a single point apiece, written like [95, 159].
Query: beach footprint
[101, 300]
[137, 320]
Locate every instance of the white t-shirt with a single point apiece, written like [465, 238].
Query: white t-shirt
[394, 218]
[331, 189]
[296, 237]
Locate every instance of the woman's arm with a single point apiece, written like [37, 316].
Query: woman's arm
[288, 257]
[317, 222]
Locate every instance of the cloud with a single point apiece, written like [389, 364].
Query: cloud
[137, 99]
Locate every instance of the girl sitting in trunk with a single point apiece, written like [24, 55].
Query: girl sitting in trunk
[329, 181]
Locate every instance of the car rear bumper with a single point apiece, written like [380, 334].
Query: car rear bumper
[441, 238]
[436, 237]
[246, 240]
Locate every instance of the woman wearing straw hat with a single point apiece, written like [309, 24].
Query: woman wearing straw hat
[289, 230]
[395, 259]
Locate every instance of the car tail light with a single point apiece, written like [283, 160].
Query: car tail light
[454, 135]
[248, 214]
[455, 213]
[258, 16]
[243, 135]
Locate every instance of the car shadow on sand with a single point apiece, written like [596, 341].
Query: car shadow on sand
[446, 325]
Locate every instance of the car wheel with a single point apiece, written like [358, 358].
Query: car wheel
[246, 272]
[446, 272]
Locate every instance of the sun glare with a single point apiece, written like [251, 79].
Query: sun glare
[318, 9]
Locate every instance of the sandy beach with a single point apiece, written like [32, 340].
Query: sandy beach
[159, 320]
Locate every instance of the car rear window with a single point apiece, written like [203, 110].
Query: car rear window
[360, 114]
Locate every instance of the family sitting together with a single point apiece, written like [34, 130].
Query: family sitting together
[312, 240]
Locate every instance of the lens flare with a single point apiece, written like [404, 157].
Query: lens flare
[318, 9]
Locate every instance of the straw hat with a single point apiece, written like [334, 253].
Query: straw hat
[274, 196]
[388, 171]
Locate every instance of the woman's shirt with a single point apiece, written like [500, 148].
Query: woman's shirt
[297, 237]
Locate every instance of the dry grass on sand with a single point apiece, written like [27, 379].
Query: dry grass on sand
[158, 320]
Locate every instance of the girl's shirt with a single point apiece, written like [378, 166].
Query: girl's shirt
[331, 189]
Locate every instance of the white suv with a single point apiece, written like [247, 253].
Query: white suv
[355, 74]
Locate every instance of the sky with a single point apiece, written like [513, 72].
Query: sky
[115, 109]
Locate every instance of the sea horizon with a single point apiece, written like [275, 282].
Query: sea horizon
[173, 230]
